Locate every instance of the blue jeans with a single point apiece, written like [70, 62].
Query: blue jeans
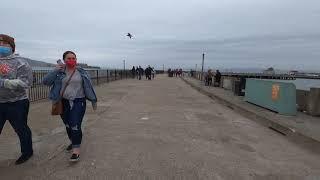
[72, 118]
[17, 114]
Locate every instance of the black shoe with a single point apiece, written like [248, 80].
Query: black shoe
[69, 148]
[23, 158]
[75, 158]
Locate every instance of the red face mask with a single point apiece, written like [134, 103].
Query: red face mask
[71, 63]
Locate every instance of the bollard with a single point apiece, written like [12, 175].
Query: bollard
[302, 100]
[107, 76]
[97, 77]
[313, 102]
[227, 83]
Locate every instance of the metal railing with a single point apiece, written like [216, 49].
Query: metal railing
[199, 75]
[38, 91]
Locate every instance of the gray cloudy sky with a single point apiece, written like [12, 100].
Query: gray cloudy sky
[233, 33]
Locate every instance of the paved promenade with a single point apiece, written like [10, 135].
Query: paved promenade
[297, 127]
[161, 129]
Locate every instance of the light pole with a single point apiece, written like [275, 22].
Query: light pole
[202, 67]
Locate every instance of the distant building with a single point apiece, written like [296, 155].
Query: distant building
[292, 73]
[269, 71]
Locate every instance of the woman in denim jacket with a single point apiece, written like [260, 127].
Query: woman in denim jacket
[74, 97]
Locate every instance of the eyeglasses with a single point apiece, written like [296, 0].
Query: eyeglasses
[71, 58]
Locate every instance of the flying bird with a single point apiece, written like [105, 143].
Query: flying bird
[129, 35]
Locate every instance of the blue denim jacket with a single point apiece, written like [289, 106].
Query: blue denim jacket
[54, 80]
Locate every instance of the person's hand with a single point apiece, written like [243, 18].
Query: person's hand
[14, 83]
[60, 67]
[94, 106]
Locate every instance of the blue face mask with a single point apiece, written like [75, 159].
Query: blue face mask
[5, 51]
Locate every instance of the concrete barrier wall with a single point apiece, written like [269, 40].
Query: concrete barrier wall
[221, 81]
[302, 100]
[276, 96]
[313, 104]
[227, 83]
[309, 101]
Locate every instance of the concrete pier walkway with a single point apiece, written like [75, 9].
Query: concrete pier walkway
[161, 129]
[299, 126]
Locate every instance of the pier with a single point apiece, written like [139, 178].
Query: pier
[160, 129]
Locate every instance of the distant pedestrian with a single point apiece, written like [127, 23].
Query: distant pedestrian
[169, 72]
[148, 72]
[172, 73]
[71, 85]
[153, 72]
[145, 73]
[209, 77]
[133, 72]
[137, 72]
[217, 79]
[180, 72]
[15, 79]
[140, 72]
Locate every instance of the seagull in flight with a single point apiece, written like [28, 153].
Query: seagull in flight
[129, 35]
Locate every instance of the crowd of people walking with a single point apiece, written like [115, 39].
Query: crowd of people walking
[138, 72]
[210, 78]
[175, 72]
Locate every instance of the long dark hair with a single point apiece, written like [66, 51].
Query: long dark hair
[68, 52]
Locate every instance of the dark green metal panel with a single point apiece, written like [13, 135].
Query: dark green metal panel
[276, 96]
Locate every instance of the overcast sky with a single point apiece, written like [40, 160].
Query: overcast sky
[284, 34]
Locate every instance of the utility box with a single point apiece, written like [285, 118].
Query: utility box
[276, 96]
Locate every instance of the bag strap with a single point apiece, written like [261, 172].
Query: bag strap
[65, 87]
